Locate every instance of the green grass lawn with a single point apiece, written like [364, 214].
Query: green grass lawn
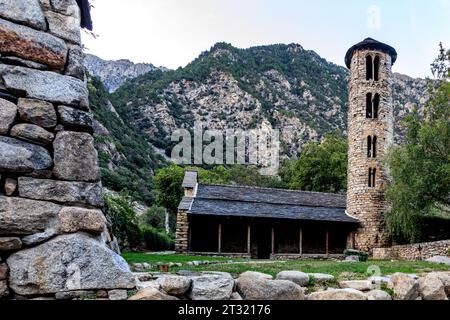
[341, 270]
[153, 258]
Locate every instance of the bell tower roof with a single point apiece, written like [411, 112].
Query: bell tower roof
[373, 44]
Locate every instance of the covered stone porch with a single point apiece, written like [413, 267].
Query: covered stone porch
[258, 238]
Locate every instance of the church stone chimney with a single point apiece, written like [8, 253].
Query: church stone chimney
[370, 134]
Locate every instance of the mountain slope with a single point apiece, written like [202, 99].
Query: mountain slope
[127, 159]
[114, 73]
[286, 86]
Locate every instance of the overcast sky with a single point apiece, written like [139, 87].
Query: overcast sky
[172, 33]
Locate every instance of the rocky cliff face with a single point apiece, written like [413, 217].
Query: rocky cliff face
[285, 86]
[114, 73]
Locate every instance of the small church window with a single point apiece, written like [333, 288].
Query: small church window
[371, 147]
[372, 176]
[369, 106]
[369, 68]
[376, 68]
[376, 105]
[372, 106]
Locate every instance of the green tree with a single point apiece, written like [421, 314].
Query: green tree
[124, 222]
[321, 167]
[155, 216]
[168, 190]
[420, 169]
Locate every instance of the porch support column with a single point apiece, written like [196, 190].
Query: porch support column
[220, 238]
[273, 240]
[301, 242]
[249, 239]
[326, 242]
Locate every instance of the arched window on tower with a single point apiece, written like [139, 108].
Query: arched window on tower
[374, 147]
[376, 68]
[372, 106]
[369, 68]
[372, 177]
[371, 147]
[376, 105]
[369, 114]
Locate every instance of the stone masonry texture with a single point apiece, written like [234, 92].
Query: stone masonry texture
[54, 238]
[366, 203]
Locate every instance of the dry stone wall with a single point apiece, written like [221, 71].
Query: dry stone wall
[417, 251]
[54, 237]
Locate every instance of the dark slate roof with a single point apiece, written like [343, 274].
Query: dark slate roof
[185, 203]
[190, 179]
[254, 202]
[370, 43]
[275, 196]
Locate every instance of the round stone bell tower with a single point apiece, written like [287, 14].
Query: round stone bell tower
[370, 134]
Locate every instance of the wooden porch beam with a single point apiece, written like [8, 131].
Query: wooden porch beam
[326, 242]
[301, 242]
[273, 240]
[249, 239]
[220, 237]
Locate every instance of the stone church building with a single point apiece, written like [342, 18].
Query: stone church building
[273, 223]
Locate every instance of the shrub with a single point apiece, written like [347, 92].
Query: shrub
[123, 219]
[156, 240]
[155, 216]
[363, 256]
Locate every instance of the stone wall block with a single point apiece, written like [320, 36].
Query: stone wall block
[30, 44]
[74, 119]
[65, 27]
[44, 85]
[32, 133]
[28, 12]
[25, 217]
[38, 112]
[75, 157]
[8, 113]
[66, 192]
[20, 156]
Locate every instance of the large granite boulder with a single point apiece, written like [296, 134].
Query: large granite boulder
[405, 287]
[439, 260]
[338, 294]
[320, 278]
[66, 263]
[174, 285]
[378, 295]
[151, 293]
[211, 287]
[297, 277]
[25, 217]
[4, 291]
[20, 156]
[432, 288]
[259, 288]
[361, 285]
